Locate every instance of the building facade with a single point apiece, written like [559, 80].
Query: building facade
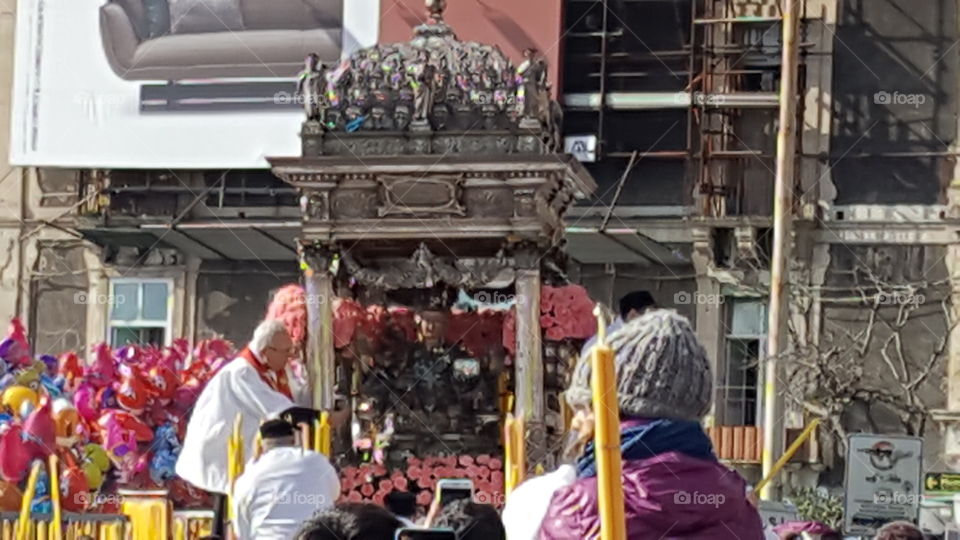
[672, 105]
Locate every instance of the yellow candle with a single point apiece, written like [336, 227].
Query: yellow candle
[305, 436]
[234, 461]
[324, 434]
[23, 524]
[56, 530]
[508, 457]
[606, 412]
[520, 451]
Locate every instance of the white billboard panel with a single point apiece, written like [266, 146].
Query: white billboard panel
[170, 83]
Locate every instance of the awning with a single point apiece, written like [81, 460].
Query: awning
[588, 245]
[276, 240]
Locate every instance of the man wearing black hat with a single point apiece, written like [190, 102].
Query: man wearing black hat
[632, 305]
[282, 487]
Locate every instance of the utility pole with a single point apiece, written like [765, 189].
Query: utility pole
[773, 430]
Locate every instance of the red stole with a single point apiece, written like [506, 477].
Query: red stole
[276, 381]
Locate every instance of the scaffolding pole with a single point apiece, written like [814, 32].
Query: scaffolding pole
[773, 430]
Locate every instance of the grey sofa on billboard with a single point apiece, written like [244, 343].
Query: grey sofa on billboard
[269, 39]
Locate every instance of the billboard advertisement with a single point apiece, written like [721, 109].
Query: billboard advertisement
[204, 84]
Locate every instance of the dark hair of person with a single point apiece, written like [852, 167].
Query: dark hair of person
[798, 536]
[401, 503]
[899, 530]
[350, 521]
[638, 300]
[331, 524]
[276, 429]
[472, 521]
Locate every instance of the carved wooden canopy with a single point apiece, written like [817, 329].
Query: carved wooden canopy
[426, 153]
[508, 199]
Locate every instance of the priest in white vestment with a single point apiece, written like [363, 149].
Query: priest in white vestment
[253, 385]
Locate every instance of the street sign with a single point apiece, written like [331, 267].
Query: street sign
[583, 147]
[774, 513]
[942, 481]
[882, 482]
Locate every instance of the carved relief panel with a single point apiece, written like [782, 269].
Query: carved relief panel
[412, 195]
[489, 201]
[355, 203]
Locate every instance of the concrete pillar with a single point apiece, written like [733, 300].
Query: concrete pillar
[190, 303]
[816, 184]
[320, 359]
[710, 315]
[949, 417]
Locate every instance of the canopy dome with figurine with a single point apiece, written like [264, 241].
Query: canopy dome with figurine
[434, 82]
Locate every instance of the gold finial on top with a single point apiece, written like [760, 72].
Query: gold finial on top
[435, 8]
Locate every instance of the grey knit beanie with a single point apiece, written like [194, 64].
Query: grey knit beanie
[662, 370]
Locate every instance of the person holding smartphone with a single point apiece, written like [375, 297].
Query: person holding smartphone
[471, 521]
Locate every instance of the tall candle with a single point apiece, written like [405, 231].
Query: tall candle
[606, 412]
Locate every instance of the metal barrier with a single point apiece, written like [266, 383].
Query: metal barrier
[192, 524]
[75, 526]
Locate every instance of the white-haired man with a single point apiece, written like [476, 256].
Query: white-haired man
[253, 385]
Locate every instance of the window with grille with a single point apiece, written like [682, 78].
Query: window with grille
[738, 391]
[140, 311]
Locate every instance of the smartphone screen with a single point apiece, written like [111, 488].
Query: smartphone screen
[449, 495]
[425, 534]
[454, 489]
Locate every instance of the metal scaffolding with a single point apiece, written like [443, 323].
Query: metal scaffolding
[720, 64]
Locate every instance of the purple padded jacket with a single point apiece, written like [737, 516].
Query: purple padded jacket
[668, 496]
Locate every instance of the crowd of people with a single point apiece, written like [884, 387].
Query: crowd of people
[673, 484]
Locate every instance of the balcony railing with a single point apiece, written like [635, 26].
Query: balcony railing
[744, 445]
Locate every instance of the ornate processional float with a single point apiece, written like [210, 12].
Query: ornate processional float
[432, 193]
